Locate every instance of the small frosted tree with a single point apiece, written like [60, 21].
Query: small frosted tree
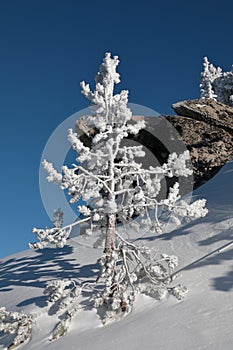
[58, 218]
[208, 76]
[115, 188]
[224, 88]
[215, 84]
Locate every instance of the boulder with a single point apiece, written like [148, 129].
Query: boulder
[207, 110]
[206, 128]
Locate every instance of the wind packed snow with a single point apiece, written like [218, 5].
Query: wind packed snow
[202, 321]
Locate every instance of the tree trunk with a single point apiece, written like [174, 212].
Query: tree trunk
[110, 234]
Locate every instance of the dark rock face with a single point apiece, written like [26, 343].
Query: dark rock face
[206, 128]
[159, 139]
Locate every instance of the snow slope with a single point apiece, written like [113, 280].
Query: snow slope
[203, 321]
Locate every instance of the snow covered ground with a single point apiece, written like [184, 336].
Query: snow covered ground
[203, 321]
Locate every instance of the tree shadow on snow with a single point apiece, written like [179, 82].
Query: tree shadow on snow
[34, 271]
[224, 283]
[222, 252]
[222, 235]
[6, 339]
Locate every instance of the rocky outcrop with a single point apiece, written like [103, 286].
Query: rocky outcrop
[208, 111]
[206, 128]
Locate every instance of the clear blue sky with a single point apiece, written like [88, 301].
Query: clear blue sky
[48, 46]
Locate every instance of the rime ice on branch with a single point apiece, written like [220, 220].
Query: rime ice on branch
[115, 187]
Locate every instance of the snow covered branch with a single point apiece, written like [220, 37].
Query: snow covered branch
[18, 324]
[53, 175]
[56, 235]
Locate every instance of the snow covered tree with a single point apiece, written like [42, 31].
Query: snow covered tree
[215, 84]
[58, 218]
[224, 88]
[208, 76]
[115, 187]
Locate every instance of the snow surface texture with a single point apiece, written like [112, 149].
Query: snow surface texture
[203, 321]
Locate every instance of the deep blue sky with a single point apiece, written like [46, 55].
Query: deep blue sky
[48, 46]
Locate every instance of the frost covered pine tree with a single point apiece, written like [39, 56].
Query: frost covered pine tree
[224, 88]
[115, 188]
[216, 84]
[58, 218]
[208, 76]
